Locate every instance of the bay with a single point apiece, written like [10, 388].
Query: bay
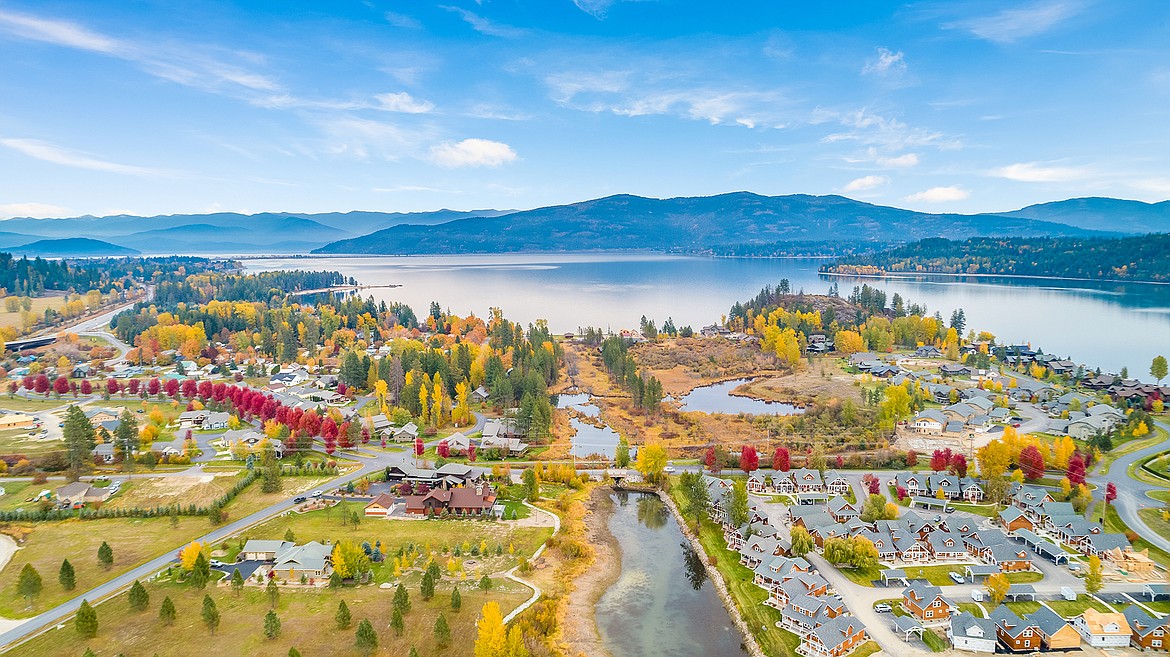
[1106, 325]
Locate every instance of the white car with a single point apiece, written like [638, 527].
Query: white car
[315, 493]
[882, 608]
[956, 577]
[668, 469]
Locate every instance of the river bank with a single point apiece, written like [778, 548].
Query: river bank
[580, 627]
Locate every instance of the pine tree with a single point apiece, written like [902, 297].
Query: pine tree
[210, 614]
[86, 621]
[343, 617]
[402, 599]
[66, 576]
[30, 584]
[166, 611]
[367, 638]
[139, 598]
[271, 625]
[396, 622]
[289, 536]
[442, 632]
[293, 652]
[456, 600]
[273, 593]
[105, 555]
[427, 588]
[200, 572]
[237, 582]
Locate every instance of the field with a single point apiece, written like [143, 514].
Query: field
[17, 441]
[824, 379]
[54, 300]
[147, 492]
[32, 405]
[1070, 608]
[45, 545]
[307, 623]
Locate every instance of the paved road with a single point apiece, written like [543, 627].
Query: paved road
[1131, 493]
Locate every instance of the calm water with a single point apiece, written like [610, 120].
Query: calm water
[661, 605]
[1104, 324]
[716, 398]
[589, 440]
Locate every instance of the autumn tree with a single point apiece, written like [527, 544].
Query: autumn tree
[749, 461]
[711, 460]
[1076, 470]
[997, 588]
[1032, 463]
[651, 462]
[939, 460]
[491, 638]
[802, 541]
[781, 459]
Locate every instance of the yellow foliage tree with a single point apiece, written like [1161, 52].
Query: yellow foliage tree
[491, 639]
[190, 553]
[651, 461]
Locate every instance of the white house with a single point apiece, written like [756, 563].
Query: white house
[970, 633]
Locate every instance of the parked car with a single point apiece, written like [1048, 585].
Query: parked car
[299, 500]
[956, 577]
[882, 608]
[316, 493]
[216, 563]
[949, 509]
[668, 469]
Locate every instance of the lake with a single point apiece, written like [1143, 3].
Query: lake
[588, 440]
[1107, 325]
[717, 398]
[662, 604]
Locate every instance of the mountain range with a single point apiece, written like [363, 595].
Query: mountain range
[621, 222]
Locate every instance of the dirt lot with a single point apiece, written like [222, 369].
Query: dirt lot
[164, 491]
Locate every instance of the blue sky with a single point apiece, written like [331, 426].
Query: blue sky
[152, 107]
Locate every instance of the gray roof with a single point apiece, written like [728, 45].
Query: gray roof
[972, 627]
[259, 545]
[1047, 620]
[1140, 620]
[1007, 619]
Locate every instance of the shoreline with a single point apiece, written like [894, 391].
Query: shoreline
[1027, 277]
[580, 629]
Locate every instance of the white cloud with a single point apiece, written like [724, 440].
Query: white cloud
[886, 133]
[403, 21]
[887, 63]
[595, 8]
[184, 64]
[10, 210]
[472, 153]
[47, 152]
[866, 182]
[1014, 24]
[939, 195]
[485, 26]
[404, 103]
[898, 161]
[1036, 172]
[363, 138]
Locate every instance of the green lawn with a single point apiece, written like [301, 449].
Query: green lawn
[1153, 517]
[866, 649]
[307, 623]
[971, 608]
[1160, 606]
[1129, 447]
[1161, 495]
[1023, 607]
[936, 575]
[862, 576]
[987, 510]
[1070, 608]
[1024, 577]
[15, 493]
[32, 405]
[935, 641]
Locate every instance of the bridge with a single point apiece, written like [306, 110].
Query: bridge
[30, 343]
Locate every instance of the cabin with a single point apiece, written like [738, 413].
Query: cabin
[927, 602]
[1103, 630]
[1146, 632]
[968, 632]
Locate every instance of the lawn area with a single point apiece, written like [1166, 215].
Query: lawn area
[1024, 577]
[31, 405]
[987, 510]
[326, 525]
[935, 641]
[15, 493]
[971, 608]
[1070, 608]
[936, 575]
[39, 305]
[1130, 447]
[866, 649]
[862, 576]
[306, 623]
[1023, 607]
[133, 540]
[1152, 517]
[748, 597]
[1160, 606]
[1160, 495]
[17, 441]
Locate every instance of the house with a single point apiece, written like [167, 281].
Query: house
[294, 377]
[80, 492]
[314, 560]
[203, 420]
[841, 509]
[381, 505]
[1015, 633]
[457, 443]
[755, 484]
[1103, 630]
[480, 394]
[836, 637]
[807, 480]
[458, 501]
[927, 602]
[1091, 425]
[16, 421]
[98, 415]
[1055, 632]
[968, 632]
[509, 445]
[927, 351]
[1146, 632]
[262, 550]
[406, 433]
[1012, 518]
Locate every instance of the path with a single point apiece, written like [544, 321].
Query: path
[536, 592]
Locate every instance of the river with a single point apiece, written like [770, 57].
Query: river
[1106, 325]
[661, 605]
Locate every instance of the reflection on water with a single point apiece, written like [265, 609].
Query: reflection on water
[717, 398]
[696, 572]
[1107, 325]
[659, 607]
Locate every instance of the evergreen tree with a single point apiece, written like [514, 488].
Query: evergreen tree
[413, 652]
[289, 536]
[200, 572]
[126, 437]
[293, 652]
[442, 632]
[271, 625]
[342, 617]
[396, 622]
[66, 576]
[402, 599]
[273, 593]
[270, 474]
[30, 584]
[237, 582]
[210, 614]
[166, 611]
[485, 583]
[367, 638]
[427, 588]
[456, 600]
[86, 621]
[79, 441]
[105, 555]
[139, 598]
